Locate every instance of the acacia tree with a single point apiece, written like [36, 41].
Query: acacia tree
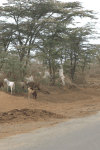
[61, 41]
[77, 50]
[43, 22]
[96, 49]
[48, 48]
[27, 21]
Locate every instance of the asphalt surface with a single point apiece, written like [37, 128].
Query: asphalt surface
[75, 134]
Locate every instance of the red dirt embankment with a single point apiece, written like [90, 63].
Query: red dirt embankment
[19, 114]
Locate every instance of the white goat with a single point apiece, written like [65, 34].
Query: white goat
[46, 74]
[30, 79]
[62, 75]
[10, 84]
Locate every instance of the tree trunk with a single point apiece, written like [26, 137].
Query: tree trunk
[53, 76]
[50, 71]
[73, 69]
[72, 72]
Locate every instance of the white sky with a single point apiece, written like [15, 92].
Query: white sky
[87, 4]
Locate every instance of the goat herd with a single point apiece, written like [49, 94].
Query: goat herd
[29, 83]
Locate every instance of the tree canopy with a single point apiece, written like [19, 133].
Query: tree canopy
[42, 29]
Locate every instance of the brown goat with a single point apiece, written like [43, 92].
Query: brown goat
[1, 84]
[34, 85]
[32, 91]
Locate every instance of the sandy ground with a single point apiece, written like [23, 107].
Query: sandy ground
[18, 114]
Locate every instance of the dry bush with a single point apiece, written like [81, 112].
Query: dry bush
[94, 71]
[33, 69]
[72, 86]
[93, 76]
[79, 79]
[67, 79]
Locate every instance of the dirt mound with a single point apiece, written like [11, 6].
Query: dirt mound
[16, 115]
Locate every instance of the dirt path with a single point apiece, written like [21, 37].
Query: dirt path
[18, 114]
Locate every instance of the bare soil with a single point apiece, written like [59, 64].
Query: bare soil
[18, 114]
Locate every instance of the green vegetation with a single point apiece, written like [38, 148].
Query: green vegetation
[42, 29]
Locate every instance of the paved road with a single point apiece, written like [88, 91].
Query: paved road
[76, 134]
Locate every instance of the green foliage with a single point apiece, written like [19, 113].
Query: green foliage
[13, 67]
[2, 58]
[58, 84]
[45, 81]
[42, 28]
[19, 89]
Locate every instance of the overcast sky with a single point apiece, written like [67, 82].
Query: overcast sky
[88, 4]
